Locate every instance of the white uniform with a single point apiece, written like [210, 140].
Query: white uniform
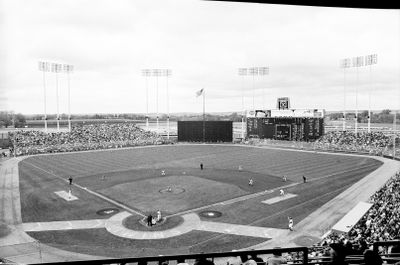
[163, 173]
[158, 216]
[291, 224]
[250, 182]
[282, 192]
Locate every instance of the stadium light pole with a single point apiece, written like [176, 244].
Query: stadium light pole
[56, 68]
[44, 67]
[157, 73]
[167, 73]
[146, 73]
[69, 69]
[344, 63]
[243, 72]
[357, 62]
[263, 71]
[253, 71]
[370, 60]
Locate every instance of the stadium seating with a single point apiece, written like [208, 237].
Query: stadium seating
[380, 224]
[82, 137]
[373, 143]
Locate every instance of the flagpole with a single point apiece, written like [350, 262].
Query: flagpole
[204, 116]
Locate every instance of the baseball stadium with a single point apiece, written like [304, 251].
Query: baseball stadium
[270, 184]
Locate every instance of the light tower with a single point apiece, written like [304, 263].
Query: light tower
[146, 73]
[57, 68]
[344, 63]
[167, 73]
[67, 68]
[370, 60]
[242, 72]
[44, 67]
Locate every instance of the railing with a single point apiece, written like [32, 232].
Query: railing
[389, 258]
[216, 258]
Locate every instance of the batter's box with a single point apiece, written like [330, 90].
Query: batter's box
[279, 198]
[65, 195]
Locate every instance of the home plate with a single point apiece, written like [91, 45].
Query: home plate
[63, 194]
[279, 198]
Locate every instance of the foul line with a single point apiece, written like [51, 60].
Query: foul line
[274, 214]
[258, 194]
[92, 192]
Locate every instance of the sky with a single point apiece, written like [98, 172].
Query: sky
[203, 43]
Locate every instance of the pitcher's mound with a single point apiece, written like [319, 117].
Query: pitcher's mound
[172, 190]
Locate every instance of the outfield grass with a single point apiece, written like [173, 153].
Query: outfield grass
[133, 178]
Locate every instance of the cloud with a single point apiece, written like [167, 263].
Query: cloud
[203, 42]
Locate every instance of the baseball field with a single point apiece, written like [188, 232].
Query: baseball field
[109, 183]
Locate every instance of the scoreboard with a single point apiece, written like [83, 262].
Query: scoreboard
[285, 128]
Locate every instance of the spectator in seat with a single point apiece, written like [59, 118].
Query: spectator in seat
[257, 259]
[277, 258]
[203, 261]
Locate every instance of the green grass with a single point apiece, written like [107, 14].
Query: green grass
[133, 178]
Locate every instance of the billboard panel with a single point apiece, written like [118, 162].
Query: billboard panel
[215, 131]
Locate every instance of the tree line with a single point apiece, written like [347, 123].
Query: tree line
[385, 116]
[18, 120]
[10, 119]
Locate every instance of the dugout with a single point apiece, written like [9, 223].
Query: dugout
[215, 131]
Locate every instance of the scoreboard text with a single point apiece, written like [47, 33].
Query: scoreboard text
[285, 128]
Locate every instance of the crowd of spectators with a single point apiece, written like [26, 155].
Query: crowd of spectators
[380, 223]
[374, 143]
[82, 137]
